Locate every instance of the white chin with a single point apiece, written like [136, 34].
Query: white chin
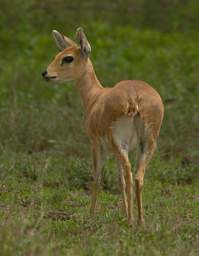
[60, 81]
[66, 80]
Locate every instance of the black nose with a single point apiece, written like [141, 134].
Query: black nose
[44, 73]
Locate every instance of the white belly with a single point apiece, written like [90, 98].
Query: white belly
[124, 133]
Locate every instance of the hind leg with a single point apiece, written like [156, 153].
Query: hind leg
[123, 159]
[145, 152]
[123, 187]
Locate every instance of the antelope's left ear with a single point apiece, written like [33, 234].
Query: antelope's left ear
[83, 42]
[62, 41]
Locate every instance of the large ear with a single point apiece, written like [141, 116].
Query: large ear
[83, 42]
[61, 41]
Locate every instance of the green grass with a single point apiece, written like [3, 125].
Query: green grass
[45, 200]
[45, 166]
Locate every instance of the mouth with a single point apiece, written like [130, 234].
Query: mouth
[50, 78]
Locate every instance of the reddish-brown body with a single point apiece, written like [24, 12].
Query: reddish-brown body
[129, 97]
[129, 113]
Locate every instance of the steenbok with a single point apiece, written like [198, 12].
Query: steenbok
[118, 118]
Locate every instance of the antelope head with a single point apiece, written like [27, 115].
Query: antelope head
[70, 63]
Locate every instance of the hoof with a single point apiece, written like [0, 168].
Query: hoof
[141, 223]
[130, 222]
[92, 212]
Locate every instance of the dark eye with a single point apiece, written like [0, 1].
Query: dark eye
[67, 59]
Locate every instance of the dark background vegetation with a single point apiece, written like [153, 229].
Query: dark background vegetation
[45, 155]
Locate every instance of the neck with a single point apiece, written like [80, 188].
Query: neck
[88, 85]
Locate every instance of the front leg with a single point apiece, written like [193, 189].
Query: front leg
[96, 155]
